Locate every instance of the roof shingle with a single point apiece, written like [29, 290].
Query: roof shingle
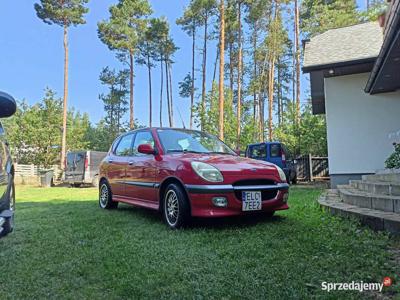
[345, 44]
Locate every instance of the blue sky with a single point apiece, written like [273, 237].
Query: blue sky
[31, 58]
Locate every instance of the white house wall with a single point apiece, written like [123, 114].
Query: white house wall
[359, 125]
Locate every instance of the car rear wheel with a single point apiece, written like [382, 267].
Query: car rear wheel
[175, 207]
[105, 197]
[8, 225]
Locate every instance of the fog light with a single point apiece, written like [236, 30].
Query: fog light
[220, 201]
[285, 197]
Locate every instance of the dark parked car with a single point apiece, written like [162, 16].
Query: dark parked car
[187, 173]
[7, 189]
[276, 153]
[82, 167]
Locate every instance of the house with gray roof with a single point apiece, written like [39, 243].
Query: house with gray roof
[355, 81]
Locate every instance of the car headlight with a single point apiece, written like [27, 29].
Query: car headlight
[207, 172]
[281, 174]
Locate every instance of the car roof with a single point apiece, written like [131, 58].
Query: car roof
[162, 128]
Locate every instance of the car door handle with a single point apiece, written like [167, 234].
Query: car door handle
[131, 163]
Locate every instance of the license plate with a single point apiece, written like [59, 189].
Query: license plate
[251, 201]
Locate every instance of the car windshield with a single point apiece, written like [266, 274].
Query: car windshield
[174, 140]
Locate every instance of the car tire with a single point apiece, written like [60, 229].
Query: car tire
[176, 211]
[270, 214]
[8, 226]
[105, 197]
[77, 185]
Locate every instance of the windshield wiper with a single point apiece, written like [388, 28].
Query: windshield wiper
[182, 151]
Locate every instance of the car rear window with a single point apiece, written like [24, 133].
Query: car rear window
[258, 151]
[70, 159]
[275, 150]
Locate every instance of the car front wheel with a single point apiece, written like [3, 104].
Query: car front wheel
[175, 207]
[105, 197]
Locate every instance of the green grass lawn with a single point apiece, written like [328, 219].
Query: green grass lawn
[65, 246]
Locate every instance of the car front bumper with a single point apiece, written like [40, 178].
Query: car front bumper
[202, 205]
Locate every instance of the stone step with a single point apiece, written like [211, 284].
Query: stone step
[380, 188]
[384, 175]
[364, 199]
[375, 219]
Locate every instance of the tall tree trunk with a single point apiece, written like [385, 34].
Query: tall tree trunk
[255, 72]
[150, 93]
[215, 70]
[279, 93]
[131, 85]
[271, 77]
[216, 62]
[239, 79]
[171, 102]
[203, 90]
[297, 53]
[261, 99]
[271, 97]
[231, 71]
[168, 97]
[65, 99]
[193, 66]
[161, 90]
[221, 70]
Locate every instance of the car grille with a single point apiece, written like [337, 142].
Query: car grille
[265, 194]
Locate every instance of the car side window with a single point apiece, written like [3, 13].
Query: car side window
[258, 151]
[115, 144]
[287, 153]
[275, 150]
[124, 147]
[142, 137]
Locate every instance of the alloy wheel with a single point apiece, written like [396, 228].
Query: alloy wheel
[12, 205]
[104, 195]
[171, 208]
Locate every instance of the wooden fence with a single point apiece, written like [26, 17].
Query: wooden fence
[310, 168]
[30, 174]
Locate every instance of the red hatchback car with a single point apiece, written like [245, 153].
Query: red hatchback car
[187, 173]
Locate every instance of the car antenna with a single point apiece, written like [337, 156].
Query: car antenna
[183, 123]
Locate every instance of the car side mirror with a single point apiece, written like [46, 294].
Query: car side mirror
[8, 106]
[146, 149]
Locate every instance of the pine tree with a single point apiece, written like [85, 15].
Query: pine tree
[65, 13]
[189, 22]
[319, 16]
[205, 9]
[221, 99]
[122, 33]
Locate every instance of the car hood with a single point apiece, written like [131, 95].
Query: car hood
[232, 165]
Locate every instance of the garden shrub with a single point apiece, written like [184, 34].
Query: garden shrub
[393, 162]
